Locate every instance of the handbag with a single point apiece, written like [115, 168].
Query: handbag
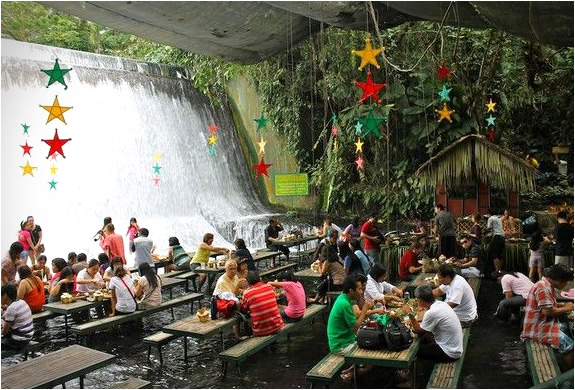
[369, 337]
[396, 335]
[226, 307]
[41, 248]
[138, 306]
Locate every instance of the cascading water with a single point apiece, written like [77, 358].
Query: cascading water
[124, 114]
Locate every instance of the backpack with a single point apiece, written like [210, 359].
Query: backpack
[370, 337]
[396, 335]
[355, 265]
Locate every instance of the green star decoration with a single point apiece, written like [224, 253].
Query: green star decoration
[334, 118]
[52, 184]
[26, 127]
[358, 127]
[157, 169]
[444, 94]
[262, 122]
[371, 125]
[212, 150]
[56, 74]
[490, 120]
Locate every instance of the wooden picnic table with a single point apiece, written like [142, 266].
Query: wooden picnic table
[382, 357]
[55, 368]
[192, 327]
[71, 308]
[265, 254]
[298, 242]
[170, 283]
[212, 273]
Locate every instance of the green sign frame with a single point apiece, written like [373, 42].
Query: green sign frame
[293, 184]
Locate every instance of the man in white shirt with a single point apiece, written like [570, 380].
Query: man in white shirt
[497, 246]
[458, 294]
[143, 246]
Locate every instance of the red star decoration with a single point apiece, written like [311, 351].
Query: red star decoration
[359, 162]
[491, 134]
[56, 144]
[26, 149]
[157, 181]
[261, 168]
[370, 89]
[443, 73]
[334, 130]
[213, 129]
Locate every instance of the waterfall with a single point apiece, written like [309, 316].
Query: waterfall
[124, 114]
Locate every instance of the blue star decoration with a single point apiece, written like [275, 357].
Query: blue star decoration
[490, 120]
[157, 169]
[371, 125]
[334, 118]
[358, 127]
[26, 127]
[56, 74]
[52, 184]
[262, 122]
[212, 150]
[444, 94]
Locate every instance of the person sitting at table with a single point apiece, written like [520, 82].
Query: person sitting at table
[515, 288]
[104, 261]
[89, 279]
[17, 324]
[41, 270]
[476, 232]
[242, 254]
[178, 256]
[332, 270]
[272, 237]
[229, 280]
[409, 266]
[542, 314]
[350, 233]
[81, 263]
[109, 273]
[330, 242]
[458, 294]
[440, 321]
[508, 225]
[123, 293]
[58, 264]
[378, 290]
[295, 295]
[470, 261]
[356, 259]
[342, 323]
[425, 253]
[202, 256]
[11, 262]
[31, 289]
[259, 301]
[65, 282]
[420, 227]
[149, 288]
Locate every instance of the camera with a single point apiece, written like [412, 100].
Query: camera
[98, 234]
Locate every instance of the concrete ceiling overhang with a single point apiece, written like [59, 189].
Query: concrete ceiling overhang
[250, 31]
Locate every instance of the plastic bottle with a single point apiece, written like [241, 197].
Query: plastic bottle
[406, 296]
[214, 308]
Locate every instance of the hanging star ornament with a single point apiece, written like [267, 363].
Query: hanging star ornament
[359, 146]
[212, 150]
[444, 113]
[53, 170]
[262, 145]
[358, 127]
[56, 111]
[490, 120]
[371, 125]
[26, 148]
[26, 127]
[262, 122]
[443, 72]
[157, 157]
[334, 130]
[157, 169]
[52, 184]
[28, 169]
[54, 156]
[212, 140]
[368, 54]
[213, 129]
[444, 94]
[56, 144]
[157, 181]
[261, 168]
[491, 106]
[56, 74]
[369, 89]
[359, 163]
[334, 118]
[335, 145]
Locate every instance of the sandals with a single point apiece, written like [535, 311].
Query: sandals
[346, 377]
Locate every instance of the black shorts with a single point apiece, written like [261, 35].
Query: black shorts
[497, 247]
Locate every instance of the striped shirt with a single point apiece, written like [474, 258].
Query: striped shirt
[260, 301]
[19, 314]
[536, 325]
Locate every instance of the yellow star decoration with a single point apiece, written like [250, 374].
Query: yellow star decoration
[359, 146]
[335, 146]
[212, 140]
[53, 170]
[28, 169]
[368, 54]
[56, 111]
[491, 106]
[157, 157]
[445, 113]
[262, 145]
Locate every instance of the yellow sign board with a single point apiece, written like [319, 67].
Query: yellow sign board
[294, 184]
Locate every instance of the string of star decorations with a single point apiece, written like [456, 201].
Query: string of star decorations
[444, 113]
[212, 140]
[261, 168]
[490, 120]
[55, 111]
[156, 167]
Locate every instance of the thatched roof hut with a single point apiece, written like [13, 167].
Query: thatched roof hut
[473, 158]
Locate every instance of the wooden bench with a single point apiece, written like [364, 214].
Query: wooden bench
[475, 283]
[542, 362]
[244, 349]
[31, 348]
[446, 375]
[133, 383]
[158, 339]
[44, 315]
[305, 257]
[276, 270]
[325, 370]
[91, 327]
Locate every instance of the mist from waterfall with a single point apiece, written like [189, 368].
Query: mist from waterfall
[124, 113]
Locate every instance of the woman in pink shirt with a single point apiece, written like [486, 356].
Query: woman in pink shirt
[295, 295]
[133, 231]
[25, 238]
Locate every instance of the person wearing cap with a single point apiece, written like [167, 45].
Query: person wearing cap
[542, 314]
[469, 263]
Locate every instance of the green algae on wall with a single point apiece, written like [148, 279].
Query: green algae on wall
[245, 107]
